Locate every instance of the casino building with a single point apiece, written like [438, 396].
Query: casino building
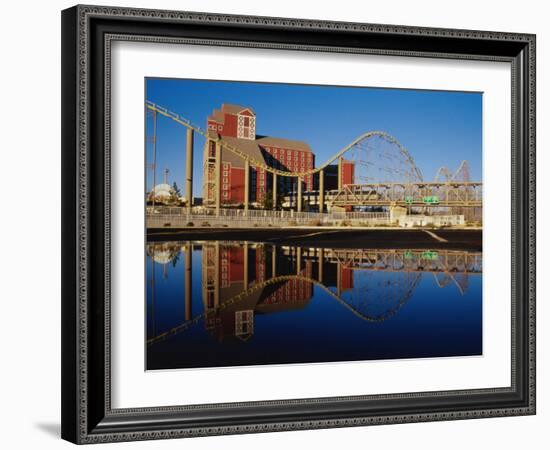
[236, 125]
[228, 271]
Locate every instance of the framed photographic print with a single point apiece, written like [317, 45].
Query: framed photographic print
[280, 224]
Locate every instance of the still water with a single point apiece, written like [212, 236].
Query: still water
[214, 304]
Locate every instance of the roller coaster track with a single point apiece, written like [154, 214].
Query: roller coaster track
[281, 279]
[260, 164]
[444, 174]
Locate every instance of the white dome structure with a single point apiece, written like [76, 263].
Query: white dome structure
[163, 253]
[163, 190]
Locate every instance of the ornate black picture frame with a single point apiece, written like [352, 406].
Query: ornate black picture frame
[87, 34]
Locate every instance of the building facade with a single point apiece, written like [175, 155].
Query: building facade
[228, 271]
[343, 172]
[236, 126]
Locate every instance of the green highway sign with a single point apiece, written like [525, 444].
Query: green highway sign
[430, 254]
[431, 199]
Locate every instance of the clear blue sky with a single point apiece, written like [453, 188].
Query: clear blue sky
[438, 128]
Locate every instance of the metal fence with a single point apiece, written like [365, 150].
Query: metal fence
[174, 217]
[259, 214]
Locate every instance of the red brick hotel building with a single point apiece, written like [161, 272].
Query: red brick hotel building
[236, 126]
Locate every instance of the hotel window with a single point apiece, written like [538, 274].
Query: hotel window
[244, 322]
[246, 127]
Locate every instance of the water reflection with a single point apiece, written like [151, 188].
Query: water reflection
[239, 303]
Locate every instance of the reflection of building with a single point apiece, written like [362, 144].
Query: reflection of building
[237, 277]
[236, 125]
[241, 281]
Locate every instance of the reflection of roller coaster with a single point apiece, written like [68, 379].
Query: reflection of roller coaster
[384, 280]
[384, 175]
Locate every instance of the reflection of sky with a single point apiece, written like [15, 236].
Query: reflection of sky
[433, 322]
[438, 128]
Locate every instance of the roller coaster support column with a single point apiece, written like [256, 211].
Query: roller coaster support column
[321, 190]
[340, 173]
[154, 158]
[246, 185]
[245, 264]
[217, 272]
[274, 191]
[299, 199]
[218, 186]
[339, 279]
[274, 261]
[189, 170]
[188, 250]
[321, 261]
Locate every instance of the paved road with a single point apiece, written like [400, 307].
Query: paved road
[330, 238]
